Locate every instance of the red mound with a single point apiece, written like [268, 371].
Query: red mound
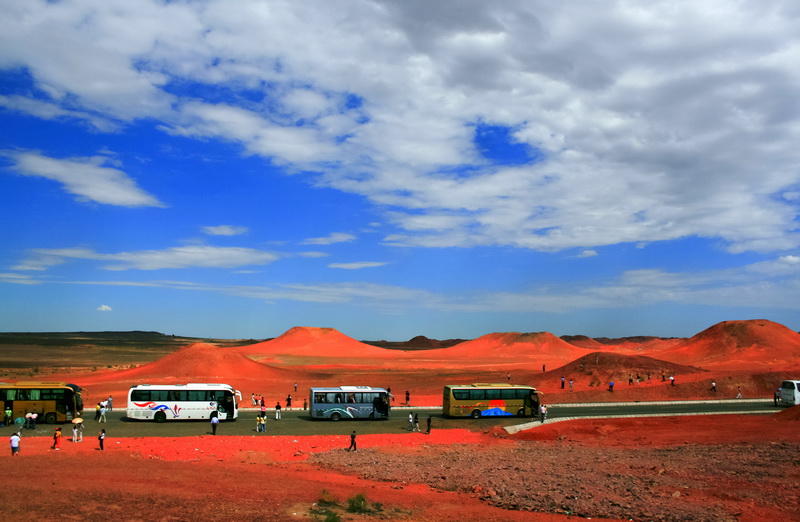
[739, 345]
[539, 347]
[790, 414]
[201, 361]
[314, 342]
[606, 365]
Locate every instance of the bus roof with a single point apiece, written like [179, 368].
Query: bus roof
[488, 385]
[348, 388]
[35, 384]
[194, 385]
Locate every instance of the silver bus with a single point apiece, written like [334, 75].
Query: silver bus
[349, 402]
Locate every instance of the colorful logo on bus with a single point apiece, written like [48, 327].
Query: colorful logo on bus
[154, 406]
[496, 409]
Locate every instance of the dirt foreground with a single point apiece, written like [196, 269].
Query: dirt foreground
[721, 467]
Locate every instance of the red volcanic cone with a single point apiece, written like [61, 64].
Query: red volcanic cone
[739, 345]
[314, 342]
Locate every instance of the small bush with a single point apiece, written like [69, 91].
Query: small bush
[358, 504]
[332, 517]
[326, 498]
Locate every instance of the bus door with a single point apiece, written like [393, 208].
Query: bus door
[225, 406]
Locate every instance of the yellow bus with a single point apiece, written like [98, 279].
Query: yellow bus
[489, 400]
[53, 401]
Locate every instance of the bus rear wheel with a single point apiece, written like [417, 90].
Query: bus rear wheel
[476, 414]
[50, 418]
[160, 416]
[335, 416]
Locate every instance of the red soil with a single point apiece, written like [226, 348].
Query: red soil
[273, 478]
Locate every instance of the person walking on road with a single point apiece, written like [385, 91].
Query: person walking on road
[352, 442]
[544, 413]
[410, 421]
[57, 439]
[214, 423]
[739, 392]
[15, 444]
[714, 386]
[428, 431]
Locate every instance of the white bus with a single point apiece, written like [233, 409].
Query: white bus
[350, 402]
[162, 402]
[790, 392]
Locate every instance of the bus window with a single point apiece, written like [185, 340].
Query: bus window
[477, 395]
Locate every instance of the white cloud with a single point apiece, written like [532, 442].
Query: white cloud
[336, 237]
[652, 122]
[87, 178]
[104, 308]
[587, 253]
[177, 257]
[357, 265]
[19, 279]
[224, 230]
[47, 110]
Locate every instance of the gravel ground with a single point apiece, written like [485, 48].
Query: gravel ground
[691, 482]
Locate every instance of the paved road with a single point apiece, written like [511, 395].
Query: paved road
[300, 423]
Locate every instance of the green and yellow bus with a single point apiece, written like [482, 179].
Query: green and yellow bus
[52, 401]
[489, 400]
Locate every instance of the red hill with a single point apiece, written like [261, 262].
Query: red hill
[306, 341]
[537, 346]
[201, 362]
[607, 366]
[739, 345]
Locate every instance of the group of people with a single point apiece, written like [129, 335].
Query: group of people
[413, 423]
[77, 436]
[101, 409]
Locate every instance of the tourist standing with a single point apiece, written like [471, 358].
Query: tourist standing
[278, 411]
[214, 423]
[57, 439]
[101, 439]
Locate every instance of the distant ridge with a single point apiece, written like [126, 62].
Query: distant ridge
[419, 342]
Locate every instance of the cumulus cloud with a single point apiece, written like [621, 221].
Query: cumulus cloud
[90, 179]
[224, 230]
[643, 122]
[104, 308]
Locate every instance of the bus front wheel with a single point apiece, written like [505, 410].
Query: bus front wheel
[160, 416]
[476, 414]
[335, 416]
[50, 418]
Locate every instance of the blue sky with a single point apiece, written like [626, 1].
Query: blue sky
[393, 169]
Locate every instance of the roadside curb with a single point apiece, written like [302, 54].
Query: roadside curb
[654, 403]
[535, 424]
